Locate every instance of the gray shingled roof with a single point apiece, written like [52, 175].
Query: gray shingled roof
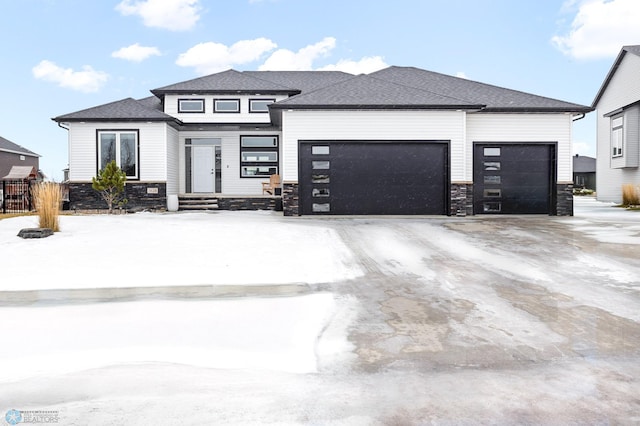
[584, 164]
[635, 50]
[230, 81]
[8, 146]
[127, 109]
[364, 91]
[495, 98]
[304, 81]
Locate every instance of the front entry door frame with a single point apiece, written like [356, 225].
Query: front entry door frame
[206, 166]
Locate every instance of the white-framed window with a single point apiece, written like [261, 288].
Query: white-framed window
[226, 105]
[258, 156]
[121, 146]
[190, 105]
[617, 136]
[260, 105]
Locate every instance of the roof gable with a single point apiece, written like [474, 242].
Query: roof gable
[8, 146]
[127, 109]
[496, 99]
[230, 81]
[634, 50]
[304, 81]
[365, 91]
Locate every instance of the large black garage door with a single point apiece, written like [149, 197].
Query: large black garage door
[514, 178]
[371, 177]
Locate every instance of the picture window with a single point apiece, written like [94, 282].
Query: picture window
[260, 105]
[258, 156]
[226, 105]
[190, 105]
[121, 146]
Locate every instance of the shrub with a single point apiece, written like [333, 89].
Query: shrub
[47, 197]
[630, 195]
[110, 184]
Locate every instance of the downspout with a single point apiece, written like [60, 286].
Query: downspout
[582, 115]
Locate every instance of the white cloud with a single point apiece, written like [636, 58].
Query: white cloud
[212, 57]
[88, 80]
[302, 60]
[174, 15]
[600, 28]
[136, 53]
[365, 65]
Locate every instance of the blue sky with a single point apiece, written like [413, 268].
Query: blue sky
[60, 56]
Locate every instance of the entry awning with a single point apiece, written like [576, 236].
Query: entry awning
[21, 172]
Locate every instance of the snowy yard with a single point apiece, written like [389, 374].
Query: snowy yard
[253, 318]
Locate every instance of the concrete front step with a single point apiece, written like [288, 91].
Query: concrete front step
[197, 202]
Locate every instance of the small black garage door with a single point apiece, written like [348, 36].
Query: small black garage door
[373, 177]
[514, 178]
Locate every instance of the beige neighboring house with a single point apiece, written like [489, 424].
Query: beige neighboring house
[618, 126]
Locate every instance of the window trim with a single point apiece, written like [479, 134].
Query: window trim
[201, 100]
[218, 111]
[259, 149]
[118, 132]
[252, 100]
[617, 144]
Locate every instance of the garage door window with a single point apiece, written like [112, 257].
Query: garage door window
[320, 150]
[491, 165]
[491, 152]
[320, 165]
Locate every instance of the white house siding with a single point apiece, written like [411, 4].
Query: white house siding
[83, 150]
[623, 90]
[552, 128]
[173, 161]
[232, 183]
[371, 125]
[244, 116]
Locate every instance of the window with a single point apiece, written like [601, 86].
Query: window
[226, 105]
[121, 146]
[320, 150]
[260, 105]
[617, 136]
[491, 152]
[258, 156]
[190, 105]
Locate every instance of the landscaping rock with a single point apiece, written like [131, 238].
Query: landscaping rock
[35, 233]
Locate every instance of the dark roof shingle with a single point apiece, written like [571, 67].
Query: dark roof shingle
[365, 91]
[127, 109]
[7, 145]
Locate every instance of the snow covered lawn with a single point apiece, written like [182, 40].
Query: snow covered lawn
[178, 249]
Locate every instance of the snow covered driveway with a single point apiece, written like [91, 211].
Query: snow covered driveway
[252, 318]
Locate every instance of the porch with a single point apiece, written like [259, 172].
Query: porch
[213, 201]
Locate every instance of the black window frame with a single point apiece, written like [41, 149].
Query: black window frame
[137, 150]
[617, 150]
[217, 111]
[252, 100]
[201, 100]
[270, 164]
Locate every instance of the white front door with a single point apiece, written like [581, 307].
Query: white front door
[204, 171]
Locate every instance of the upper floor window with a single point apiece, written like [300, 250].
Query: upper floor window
[190, 105]
[260, 105]
[617, 136]
[121, 146]
[226, 105]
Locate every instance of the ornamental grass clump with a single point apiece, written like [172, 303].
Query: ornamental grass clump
[630, 195]
[47, 197]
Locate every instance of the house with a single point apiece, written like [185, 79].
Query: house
[584, 172]
[398, 141]
[12, 154]
[618, 126]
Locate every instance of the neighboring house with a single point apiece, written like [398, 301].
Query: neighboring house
[12, 154]
[618, 126]
[584, 172]
[397, 141]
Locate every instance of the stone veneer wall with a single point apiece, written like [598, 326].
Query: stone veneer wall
[290, 199]
[83, 197]
[250, 203]
[461, 199]
[564, 203]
